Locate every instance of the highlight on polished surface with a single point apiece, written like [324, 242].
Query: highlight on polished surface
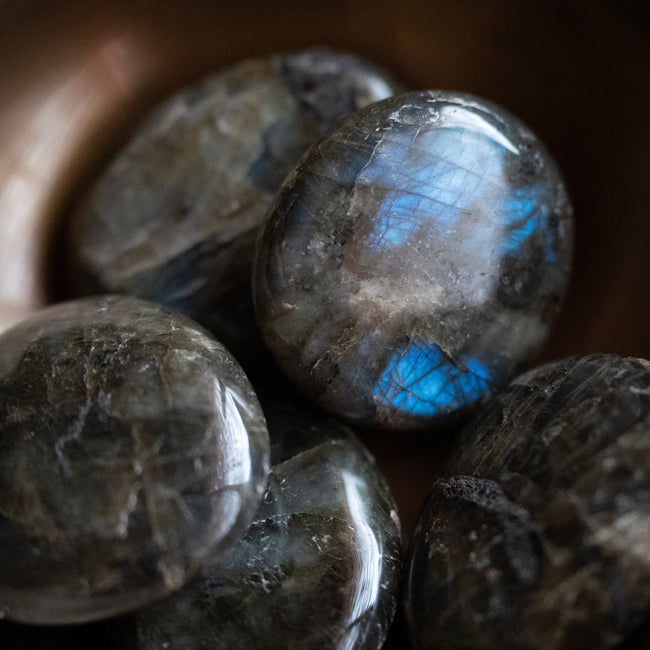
[537, 534]
[319, 567]
[414, 260]
[133, 451]
[175, 215]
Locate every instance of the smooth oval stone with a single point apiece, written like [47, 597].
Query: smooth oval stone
[539, 534]
[174, 217]
[133, 451]
[319, 567]
[414, 260]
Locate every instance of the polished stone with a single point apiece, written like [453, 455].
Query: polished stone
[319, 567]
[414, 260]
[174, 217]
[133, 451]
[538, 534]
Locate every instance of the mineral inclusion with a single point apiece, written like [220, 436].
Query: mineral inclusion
[174, 217]
[133, 451]
[414, 260]
[538, 534]
[319, 567]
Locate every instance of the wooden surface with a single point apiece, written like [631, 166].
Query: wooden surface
[75, 77]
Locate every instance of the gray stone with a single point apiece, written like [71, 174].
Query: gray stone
[174, 217]
[133, 451]
[538, 535]
[414, 260]
[319, 567]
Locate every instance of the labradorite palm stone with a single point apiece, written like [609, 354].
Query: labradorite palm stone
[174, 217]
[319, 567]
[538, 536]
[414, 260]
[133, 451]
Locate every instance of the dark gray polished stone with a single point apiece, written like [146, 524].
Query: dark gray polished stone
[175, 216]
[538, 537]
[319, 567]
[414, 260]
[133, 451]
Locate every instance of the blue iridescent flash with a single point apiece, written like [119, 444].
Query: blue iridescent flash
[422, 380]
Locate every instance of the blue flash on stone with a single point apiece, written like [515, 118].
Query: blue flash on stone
[525, 214]
[434, 189]
[423, 380]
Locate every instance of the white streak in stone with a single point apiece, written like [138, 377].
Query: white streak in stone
[122, 528]
[74, 434]
[389, 298]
